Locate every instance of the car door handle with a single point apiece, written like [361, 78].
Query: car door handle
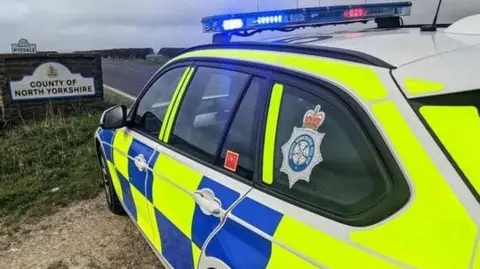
[141, 162]
[207, 202]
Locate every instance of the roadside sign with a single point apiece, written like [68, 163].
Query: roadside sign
[23, 46]
[51, 80]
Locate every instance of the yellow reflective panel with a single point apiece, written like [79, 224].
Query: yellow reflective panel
[176, 205]
[143, 214]
[188, 178]
[435, 230]
[458, 128]
[175, 200]
[361, 79]
[419, 86]
[115, 180]
[282, 258]
[121, 145]
[157, 237]
[476, 264]
[176, 104]
[319, 246]
[271, 132]
[196, 252]
[172, 102]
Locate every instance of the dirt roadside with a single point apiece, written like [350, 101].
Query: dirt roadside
[84, 235]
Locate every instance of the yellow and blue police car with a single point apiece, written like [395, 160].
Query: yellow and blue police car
[350, 150]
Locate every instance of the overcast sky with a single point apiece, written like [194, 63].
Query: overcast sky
[89, 24]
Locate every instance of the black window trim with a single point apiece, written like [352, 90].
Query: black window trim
[401, 192]
[258, 122]
[343, 109]
[151, 81]
[251, 71]
[401, 189]
[232, 67]
[236, 106]
[230, 118]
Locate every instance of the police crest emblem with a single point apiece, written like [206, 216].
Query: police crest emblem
[301, 153]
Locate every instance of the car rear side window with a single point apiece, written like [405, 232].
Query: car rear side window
[453, 121]
[205, 111]
[238, 152]
[153, 105]
[323, 158]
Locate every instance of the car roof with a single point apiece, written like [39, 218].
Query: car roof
[397, 47]
[439, 62]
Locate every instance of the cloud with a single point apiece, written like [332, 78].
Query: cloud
[90, 24]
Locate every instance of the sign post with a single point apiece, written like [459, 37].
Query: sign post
[23, 46]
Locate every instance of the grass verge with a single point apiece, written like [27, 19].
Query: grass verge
[48, 164]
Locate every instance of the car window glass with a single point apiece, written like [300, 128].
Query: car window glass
[238, 153]
[205, 110]
[322, 158]
[153, 105]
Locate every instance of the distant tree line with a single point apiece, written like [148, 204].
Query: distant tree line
[47, 52]
[124, 53]
[134, 53]
[170, 52]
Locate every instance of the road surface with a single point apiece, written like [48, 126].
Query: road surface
[128, 76]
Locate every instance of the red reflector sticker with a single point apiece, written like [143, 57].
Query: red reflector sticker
[231, 161]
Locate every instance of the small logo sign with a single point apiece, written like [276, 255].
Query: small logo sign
[231, 160]
[23, 46]
[301, 153]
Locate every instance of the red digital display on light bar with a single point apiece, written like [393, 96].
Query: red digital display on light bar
[353, 13]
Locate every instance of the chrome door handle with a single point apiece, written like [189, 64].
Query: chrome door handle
[207, 202]
[141, 162]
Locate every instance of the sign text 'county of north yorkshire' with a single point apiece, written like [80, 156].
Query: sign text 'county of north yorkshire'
[49, 81]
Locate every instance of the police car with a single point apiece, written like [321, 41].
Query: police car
[349, 150]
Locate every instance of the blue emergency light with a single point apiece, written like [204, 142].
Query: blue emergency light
[295, 18]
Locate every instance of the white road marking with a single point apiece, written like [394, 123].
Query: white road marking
[119, 92]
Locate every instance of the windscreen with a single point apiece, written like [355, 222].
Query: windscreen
[454, 122]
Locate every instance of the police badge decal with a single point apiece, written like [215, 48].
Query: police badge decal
[302, 153]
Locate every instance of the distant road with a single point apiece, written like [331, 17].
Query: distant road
[127, 76]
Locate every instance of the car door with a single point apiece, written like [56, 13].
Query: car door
[321, 177]
[134, 146]
[198, 176]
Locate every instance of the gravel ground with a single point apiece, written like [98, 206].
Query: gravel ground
[84, 235]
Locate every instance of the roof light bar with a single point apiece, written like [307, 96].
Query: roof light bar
[316, 16]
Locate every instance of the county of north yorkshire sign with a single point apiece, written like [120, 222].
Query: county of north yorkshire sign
[49, 81]
[23, 46]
